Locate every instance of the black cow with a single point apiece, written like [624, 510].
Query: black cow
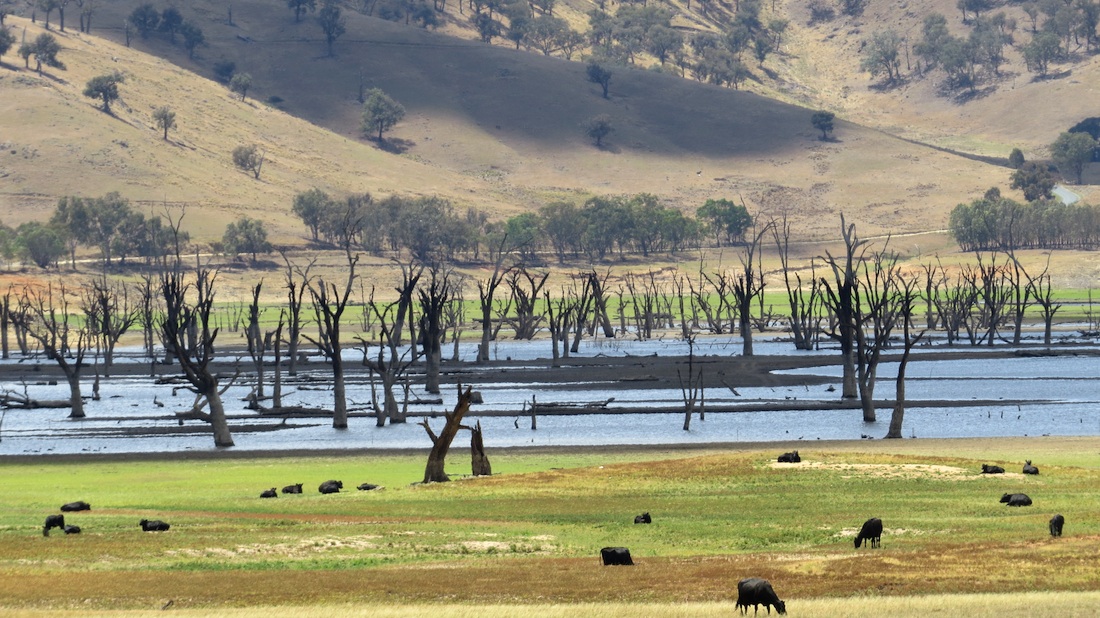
[153, 525]
[755, 591]
[269, 493]
[1030, 469]
[331, 487]
[644, 518]
[1016, 500]
[71, 529]
[791, 457]
[871, 531]
[76, 506]
[293, 489]
[367, 487]
[53, 521]
[989, 469]
[1056, 524]
[616, 556]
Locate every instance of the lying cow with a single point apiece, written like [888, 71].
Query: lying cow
[71, 529]
[154, 525]
[1030, 469]
[871, 532]
[269, 493]
[367, 487]
[1056, 524]
[616, 556]
[76, 506]
[1016, 500]
[755, 591]
[53, 521]
[990, 469]
[791, 457]
[331, 487]
[644, 518]
[293, 489]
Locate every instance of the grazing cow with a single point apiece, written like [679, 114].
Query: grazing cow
[1016, 500]
[616, 556]
[756, 592]
[989, 469]
[53, 521]
[293, 489]
[269, 493]
[71, 529]
[791, 457]
[1056, 524]
[153, 525]
[367, 487]
[871, 531]
[1030, 469]
[76, 506]
[644, 518]
[331, 487]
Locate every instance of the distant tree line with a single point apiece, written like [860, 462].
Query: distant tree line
[995, 222]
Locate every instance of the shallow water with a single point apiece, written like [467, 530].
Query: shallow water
[1059, 395]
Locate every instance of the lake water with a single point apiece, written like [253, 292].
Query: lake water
[1059, 396]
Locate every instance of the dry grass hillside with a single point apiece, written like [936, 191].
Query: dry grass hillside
[487, 126]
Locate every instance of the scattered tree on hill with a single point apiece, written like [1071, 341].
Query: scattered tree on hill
[240, 83]
[224, 70]
[597, 74]
[171, 20]
[165, 119]
[1016, 158]
[380, 112]
[7, 7]
[40, 244]
[87, 10]
[881, 56]
[301, 6]
[486, 26]
[310, 207]
[1044, 48]
[1072, 152]
[193, 38]
[249, 158]
[823, 121]
[48, 6]
[144, 19]
[332, 23]
[105, 88]
[853, 8]
[44, 49]
[598, 127]
[726, 219]
[7, 40]
[246, 235]
[1035, 180]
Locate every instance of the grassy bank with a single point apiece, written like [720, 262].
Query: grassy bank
[531, 533]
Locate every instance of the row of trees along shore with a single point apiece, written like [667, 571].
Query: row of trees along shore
[860, 298]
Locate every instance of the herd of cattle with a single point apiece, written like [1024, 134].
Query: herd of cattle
[755, 591]
[750, 591]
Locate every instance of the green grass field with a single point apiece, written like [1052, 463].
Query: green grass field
[531, 534]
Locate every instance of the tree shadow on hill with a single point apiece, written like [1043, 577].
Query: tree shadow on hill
[395, 145]
[887, 85]
[612, 148]
[976, 94]
[1052, 76]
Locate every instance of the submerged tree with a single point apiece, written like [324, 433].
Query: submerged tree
[43, 315]
[328, 307]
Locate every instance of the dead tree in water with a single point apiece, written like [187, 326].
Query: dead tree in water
[297, 280]
[434, 472]
[187, 332]
[805, 305]
[876, 313]
[1042, 291]
[328, 307]
[257, 344]
[44, 317]
[840, 298]
[109, 315]
[524, 298]
[691, 390]
[5, 317]
[389, 364]
[749, 285]
[906, 298]
[433, 301]
[486, 290]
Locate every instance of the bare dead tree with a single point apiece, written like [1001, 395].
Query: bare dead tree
[994, 294]
[1019, 298]
[44, 316]
[328, 308]
[434, 472]
[749, 284]
[599, 304]
[257, 344]
[525, 289]
[389, 363]
[410, 277]
[479, 460]
[935, 277]
[433, 302]
[583, 287]
[906, 300]
[5, 320]
[276, 343]
[1040, 289]
[297, 280]
[805, 304]
[454, 313]
[109, 314]
[691, 390]
[558, 314]
[840, 298]
[186, 329]
[876, 314]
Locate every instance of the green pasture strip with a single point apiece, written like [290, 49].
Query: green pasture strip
[1029, 604]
